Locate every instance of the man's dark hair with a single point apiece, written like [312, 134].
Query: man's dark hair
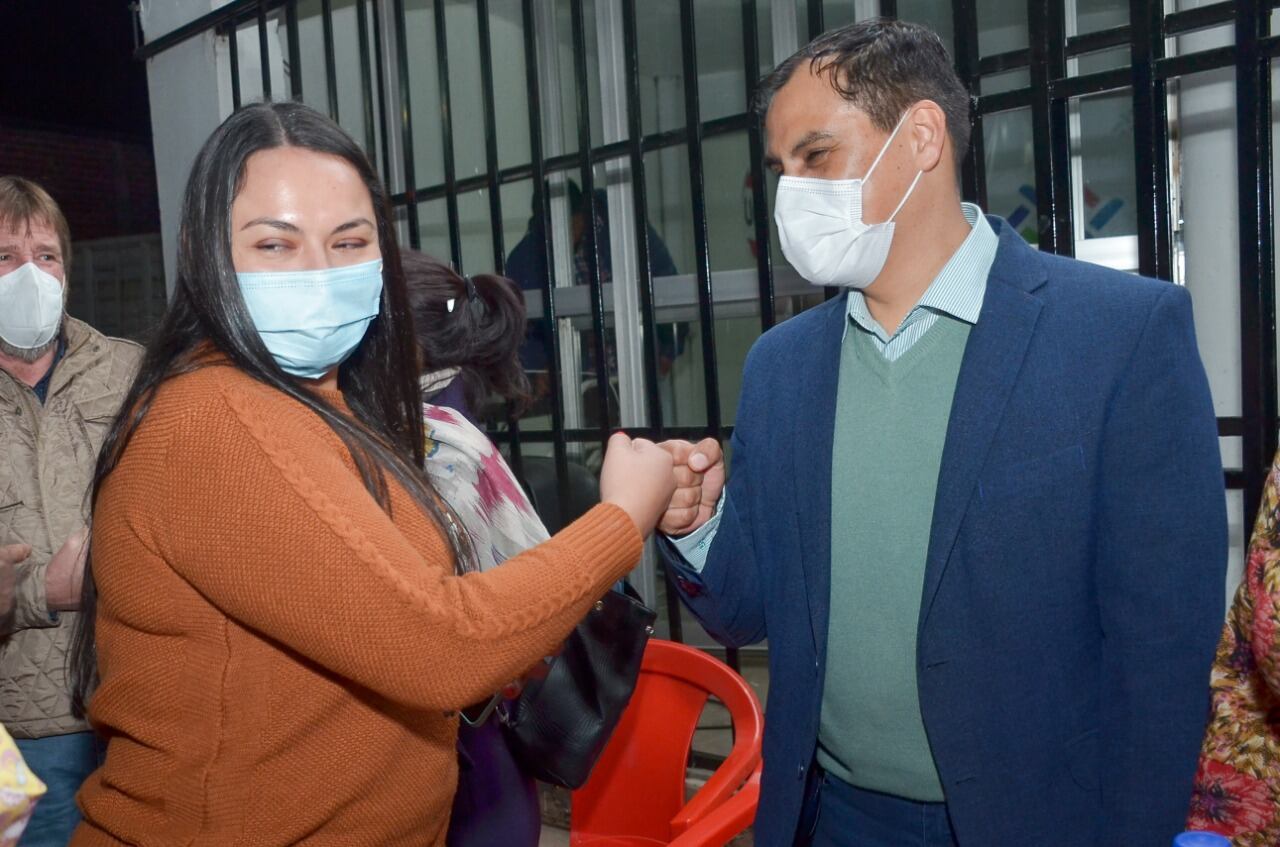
[577, 200]
[882, 67]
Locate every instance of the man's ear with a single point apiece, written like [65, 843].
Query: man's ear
[927, 126]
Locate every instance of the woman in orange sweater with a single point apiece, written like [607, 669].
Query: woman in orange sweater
[282, 637]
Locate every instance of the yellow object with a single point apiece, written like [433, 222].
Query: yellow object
[19, 791]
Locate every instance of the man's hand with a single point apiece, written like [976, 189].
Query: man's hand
[14, 554]
[65, 574]
[637, 477]
[11, 555]
[699, 471]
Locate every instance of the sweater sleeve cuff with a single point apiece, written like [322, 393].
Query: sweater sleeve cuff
[606, 539]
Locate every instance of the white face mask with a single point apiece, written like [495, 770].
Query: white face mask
[312, 320]
[822, 232]
[30, 307]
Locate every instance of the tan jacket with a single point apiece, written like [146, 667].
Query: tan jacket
[47, 458]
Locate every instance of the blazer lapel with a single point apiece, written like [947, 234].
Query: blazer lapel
[992, 359]
[815, 419]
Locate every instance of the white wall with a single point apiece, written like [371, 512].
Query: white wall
[185, 107]
[1206, 172]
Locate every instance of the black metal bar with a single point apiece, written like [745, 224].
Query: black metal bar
[495, 194]
[1087, 84]
[1238, 480]
[330, 65]
[599, 154]
[383, 122]
[1257, 259]
[406, 120]
[640, 207]
[366, 83]
[1190, 20]
[135, 25]
[490, 137]
[229, 13]
[1002, 62]
[295, 50]
[233, 47]
[759, 193]
[1005, 101]
[1151, 142]
[815, 21]
[1192, 63]
[1050, 135]
[1230, 426]
[446, 137]
[264, 52]
[1103, 39]
[888, 8]
[706, 312]
[590, 233]
[540, 200]
[965, 21]
[1271, 46]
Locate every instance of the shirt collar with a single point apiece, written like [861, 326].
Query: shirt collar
[958, 288]
[41, 388]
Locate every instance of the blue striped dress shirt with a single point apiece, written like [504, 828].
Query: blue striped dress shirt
[956, 291]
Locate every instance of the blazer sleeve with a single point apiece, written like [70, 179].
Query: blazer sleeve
[726, 596]
[285, 540]
[1161, 568]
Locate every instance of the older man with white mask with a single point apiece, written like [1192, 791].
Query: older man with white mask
[61, 383]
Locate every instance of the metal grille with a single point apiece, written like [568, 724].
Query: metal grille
[1051, 87]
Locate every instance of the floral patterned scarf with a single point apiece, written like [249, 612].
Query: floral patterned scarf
[470, 474]
[1237, 787]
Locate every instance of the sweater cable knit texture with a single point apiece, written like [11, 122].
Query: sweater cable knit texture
[279, 656]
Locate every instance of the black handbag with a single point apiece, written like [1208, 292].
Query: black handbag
[559, 725]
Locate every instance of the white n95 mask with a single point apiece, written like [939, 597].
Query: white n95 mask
[30, 307]
[821, 228]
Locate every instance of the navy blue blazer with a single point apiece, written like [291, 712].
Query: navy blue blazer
[1073, 591]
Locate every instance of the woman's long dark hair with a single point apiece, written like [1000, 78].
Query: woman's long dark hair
[379, 381]
[477, 327]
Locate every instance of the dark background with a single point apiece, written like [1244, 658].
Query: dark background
[74, 114]
[70, 63]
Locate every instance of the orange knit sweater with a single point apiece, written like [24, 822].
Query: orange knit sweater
[278, 656]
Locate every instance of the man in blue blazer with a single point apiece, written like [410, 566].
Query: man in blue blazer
[976, 503]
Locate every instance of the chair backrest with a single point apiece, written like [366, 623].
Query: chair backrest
[637, 788]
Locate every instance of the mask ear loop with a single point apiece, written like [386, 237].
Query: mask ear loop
[887, 143]
[906, 196]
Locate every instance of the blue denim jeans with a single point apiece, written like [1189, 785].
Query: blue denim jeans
[62, 762]
[854, 817]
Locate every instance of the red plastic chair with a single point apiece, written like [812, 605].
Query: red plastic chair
[636, 794]
[726, 820]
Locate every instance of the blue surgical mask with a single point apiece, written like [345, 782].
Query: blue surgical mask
[313, 320]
